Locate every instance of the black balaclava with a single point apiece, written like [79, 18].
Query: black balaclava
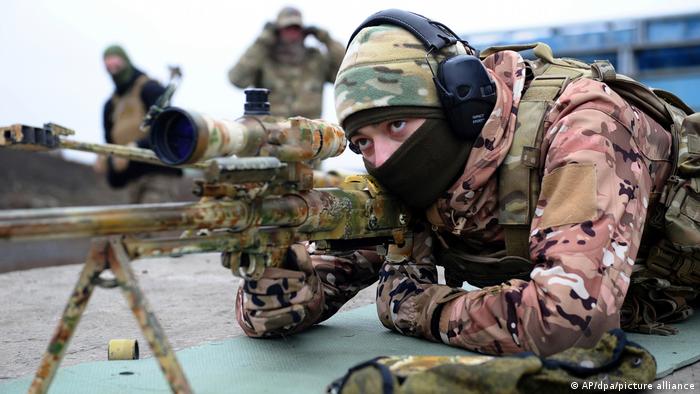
[126, 77]
[426, 164]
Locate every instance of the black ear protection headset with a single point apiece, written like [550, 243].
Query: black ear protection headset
[466, 91]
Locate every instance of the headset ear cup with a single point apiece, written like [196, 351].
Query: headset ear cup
[461, 83]
[443, 94]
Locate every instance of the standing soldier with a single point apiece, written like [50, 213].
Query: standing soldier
[278, 60]
[134, 93]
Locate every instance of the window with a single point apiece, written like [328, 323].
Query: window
[666, 30]
[665, 58]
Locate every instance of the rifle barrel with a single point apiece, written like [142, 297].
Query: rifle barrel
[76, 222]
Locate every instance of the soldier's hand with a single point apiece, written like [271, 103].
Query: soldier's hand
[269, 34]
[100, 165]
[321, 34]
[119, 164]
[284, 301]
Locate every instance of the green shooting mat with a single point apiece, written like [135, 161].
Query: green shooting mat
[304, 363]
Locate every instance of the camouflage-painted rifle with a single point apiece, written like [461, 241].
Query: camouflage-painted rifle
[257, 199]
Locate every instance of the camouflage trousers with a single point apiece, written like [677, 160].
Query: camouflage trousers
[154, 188]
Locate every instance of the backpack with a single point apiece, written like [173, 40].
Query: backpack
[668, 264]
[614, 360]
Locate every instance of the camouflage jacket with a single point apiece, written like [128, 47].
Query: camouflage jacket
[602, 160]
[295, 90]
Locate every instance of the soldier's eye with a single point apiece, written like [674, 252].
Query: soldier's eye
[363, 143]
[397, 126]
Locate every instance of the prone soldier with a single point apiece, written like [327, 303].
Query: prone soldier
[437, 127]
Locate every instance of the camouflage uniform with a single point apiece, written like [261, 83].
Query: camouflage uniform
[602, 160]
[295, 89]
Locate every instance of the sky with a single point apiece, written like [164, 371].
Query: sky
[51, 51]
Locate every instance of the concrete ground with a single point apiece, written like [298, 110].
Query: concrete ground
[193, 297]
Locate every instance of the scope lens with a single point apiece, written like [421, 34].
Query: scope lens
[174, 136]
[180, 137]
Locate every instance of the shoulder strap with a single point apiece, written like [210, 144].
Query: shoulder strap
[519, 175]
[540, 49]
[140, 81]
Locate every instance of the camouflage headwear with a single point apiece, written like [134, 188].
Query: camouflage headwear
[386, 66]
[118, 51]
[125, 75]
[289, 16]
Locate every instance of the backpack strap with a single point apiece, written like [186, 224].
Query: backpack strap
[540, 49]
[519, 175]
[658, 104]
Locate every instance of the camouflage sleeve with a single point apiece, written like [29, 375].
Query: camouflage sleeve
[344, 275]
[584, 240]
[336, 52]
[245, 73]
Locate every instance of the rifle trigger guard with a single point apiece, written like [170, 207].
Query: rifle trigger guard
[251, 265]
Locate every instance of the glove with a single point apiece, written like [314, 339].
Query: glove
[417, 311]
[321, 34]
[283, 301]
[269, 34]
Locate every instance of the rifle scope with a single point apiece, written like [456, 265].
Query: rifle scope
[184, 137]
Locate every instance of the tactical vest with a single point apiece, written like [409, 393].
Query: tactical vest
[295, 90]
[127, 114]
[668, 263]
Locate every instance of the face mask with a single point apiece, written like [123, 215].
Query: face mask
[124, 75]
[425, 165]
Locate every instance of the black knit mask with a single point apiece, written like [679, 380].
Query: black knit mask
[425, 165]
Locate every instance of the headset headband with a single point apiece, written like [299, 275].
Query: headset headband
[434, 35]
[466, 92]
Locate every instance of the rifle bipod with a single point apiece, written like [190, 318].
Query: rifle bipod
[109, 254]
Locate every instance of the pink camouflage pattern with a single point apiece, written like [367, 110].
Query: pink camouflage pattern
[581, 269]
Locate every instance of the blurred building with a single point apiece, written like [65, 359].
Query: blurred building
[662, 52]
